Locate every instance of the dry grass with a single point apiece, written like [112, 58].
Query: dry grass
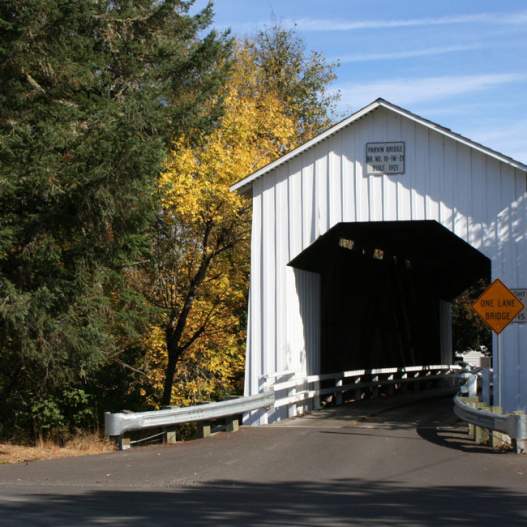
[81, 445]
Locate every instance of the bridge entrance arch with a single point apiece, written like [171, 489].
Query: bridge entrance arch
[385, 292]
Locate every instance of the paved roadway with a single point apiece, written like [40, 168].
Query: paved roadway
[407, 466]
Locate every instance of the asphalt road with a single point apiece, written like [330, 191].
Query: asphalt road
[409, 466]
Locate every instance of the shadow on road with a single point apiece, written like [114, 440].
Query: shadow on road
[238, 503]
[457, 440]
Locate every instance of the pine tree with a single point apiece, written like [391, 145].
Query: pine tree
[91, 95]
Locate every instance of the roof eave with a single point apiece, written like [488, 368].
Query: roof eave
[455, 136]
[245, 184]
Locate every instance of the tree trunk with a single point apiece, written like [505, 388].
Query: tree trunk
[173, 352]
[173, 335]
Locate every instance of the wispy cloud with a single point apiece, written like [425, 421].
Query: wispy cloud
[329, 24]
[405, 54]
[417, 90]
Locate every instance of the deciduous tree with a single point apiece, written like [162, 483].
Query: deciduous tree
[301, 80]
[276, 99]
[197, 277]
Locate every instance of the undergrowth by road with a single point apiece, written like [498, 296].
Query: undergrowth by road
[81, 445]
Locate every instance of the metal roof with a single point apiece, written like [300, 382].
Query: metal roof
[378, 103]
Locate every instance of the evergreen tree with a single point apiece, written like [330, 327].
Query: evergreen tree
[91, 95]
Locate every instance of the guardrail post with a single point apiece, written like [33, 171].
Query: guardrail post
[170, 437]
[497, 439]
[292, 408]
[338, 392]
[375, 388]
[418, 382]
[403, 385]
[390, 386]
[482, 434]
[316, 399]
[472, 385]
[232, 424]
[206, 430]
[519, 444]
[123, 443]
[357, 392]
[303, 407]
[471, 401]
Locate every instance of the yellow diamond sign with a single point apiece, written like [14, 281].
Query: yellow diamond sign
[497, 306]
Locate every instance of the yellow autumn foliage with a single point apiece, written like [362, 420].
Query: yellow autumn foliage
[205, 222]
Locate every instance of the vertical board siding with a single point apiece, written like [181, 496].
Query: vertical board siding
[308, 193]
[295, 208]
[448, 208]
[254, 351]
[348, 176]
[462, 191]
[321, 190]
[435, 175]
[405, 183]
[492, 192]
[477, 183]
[268, 274]
[334, 181]
[421, 169]
[393, 127]
[480, 199]
[375, 182]
[282, 257]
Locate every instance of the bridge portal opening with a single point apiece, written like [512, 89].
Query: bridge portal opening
[386, 289]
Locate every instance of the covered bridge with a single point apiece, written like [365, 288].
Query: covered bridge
[363, 236]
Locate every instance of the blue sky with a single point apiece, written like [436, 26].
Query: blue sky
[462, 63]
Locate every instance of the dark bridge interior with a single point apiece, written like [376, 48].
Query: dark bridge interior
[382, 283]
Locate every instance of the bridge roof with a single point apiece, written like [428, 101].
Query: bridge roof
[378, 103]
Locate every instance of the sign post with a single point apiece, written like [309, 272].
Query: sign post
[497, 307]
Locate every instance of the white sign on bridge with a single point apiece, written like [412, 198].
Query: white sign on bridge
[385, 158]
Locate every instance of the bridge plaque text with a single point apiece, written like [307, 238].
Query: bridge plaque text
[385, 158]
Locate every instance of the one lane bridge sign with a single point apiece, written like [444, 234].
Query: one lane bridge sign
[497, 306]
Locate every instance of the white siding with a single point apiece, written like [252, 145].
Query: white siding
[480, 199]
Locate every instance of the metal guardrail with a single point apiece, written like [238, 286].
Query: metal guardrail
[116, 424]
[296, 390]
[514, 425]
